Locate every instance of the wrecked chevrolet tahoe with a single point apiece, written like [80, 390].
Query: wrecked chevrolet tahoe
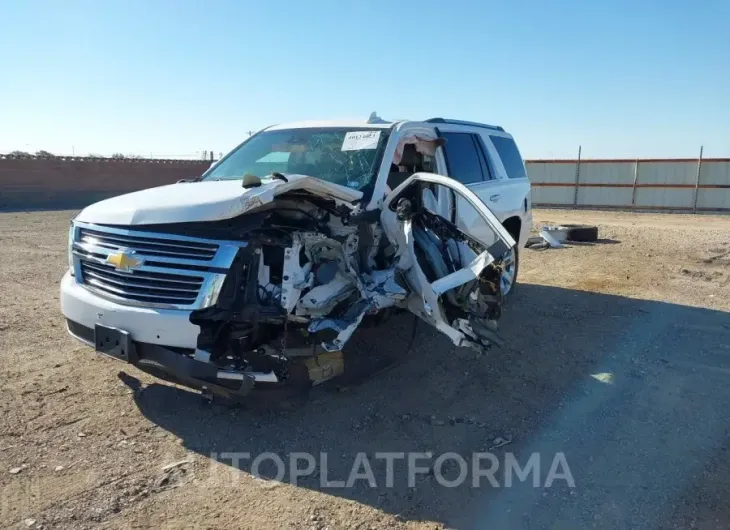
[259, 272]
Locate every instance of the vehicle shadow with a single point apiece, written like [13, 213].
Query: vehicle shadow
[630, 391]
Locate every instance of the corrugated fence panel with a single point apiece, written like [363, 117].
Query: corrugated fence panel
[606, 184]
[553, 195]
[660, 183]
[665, 198]
[549, 174]
[667, 173]
[604, 197]
[607, 173]
[717, 173]
[713, 199]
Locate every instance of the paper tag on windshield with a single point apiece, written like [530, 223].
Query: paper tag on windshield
[357, 140]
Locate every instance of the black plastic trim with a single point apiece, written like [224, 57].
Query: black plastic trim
[178, 365]
[481, 147]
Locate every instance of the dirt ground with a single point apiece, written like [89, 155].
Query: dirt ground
[617, 355]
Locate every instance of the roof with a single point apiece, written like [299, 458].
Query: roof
[330, 123]
[364, 124]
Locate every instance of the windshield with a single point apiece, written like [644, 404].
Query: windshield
[347, 156]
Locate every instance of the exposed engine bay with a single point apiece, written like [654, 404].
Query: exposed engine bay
[314, 267]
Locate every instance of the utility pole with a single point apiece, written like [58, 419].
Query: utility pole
[697, 180]
[250, 133]
[577, 177]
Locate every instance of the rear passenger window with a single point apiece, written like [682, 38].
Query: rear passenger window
[465, 162]
[510, 155]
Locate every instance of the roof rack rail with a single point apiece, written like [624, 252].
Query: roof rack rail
[462, 122]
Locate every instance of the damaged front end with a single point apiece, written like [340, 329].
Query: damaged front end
[311, 270]
[313, 267]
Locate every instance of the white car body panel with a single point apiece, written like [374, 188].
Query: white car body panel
[204, 201]
[166, 327]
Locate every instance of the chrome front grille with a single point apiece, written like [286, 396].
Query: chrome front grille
[169, 271]
[142, 287]
[150, 246]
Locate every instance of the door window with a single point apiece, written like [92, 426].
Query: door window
[467, 218]
[464, 158]
[470, 221]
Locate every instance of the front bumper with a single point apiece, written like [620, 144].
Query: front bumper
[175, 366]
[161, 341]
[164, 327]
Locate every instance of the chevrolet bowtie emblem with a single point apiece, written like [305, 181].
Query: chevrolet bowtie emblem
[124, 260]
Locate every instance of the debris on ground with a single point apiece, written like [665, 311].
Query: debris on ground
[553, 236]
[173, 465]
[550, 237]
[172, 473]
[500, 442]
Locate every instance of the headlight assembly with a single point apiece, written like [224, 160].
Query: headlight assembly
[71, 239]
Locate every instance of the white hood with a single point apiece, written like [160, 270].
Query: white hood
[204, 201]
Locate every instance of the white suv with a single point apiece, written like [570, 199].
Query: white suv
[260, 271]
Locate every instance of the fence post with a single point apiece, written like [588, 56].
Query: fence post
[633, 191]
[697, 180]
[577, 178]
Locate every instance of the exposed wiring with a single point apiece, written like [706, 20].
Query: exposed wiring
[269, 299]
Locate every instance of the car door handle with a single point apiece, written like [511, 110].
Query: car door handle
[495, 197]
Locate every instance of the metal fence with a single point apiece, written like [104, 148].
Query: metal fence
[681, 184]
[45, 155]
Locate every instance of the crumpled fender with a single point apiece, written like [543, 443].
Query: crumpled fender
[189, 202]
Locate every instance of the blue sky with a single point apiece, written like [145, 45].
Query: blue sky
[174, 77]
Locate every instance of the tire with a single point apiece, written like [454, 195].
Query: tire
[581, 233]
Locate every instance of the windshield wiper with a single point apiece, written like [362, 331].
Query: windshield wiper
[196, 179]
[279, 176]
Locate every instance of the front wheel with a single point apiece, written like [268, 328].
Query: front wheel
[510, 267]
